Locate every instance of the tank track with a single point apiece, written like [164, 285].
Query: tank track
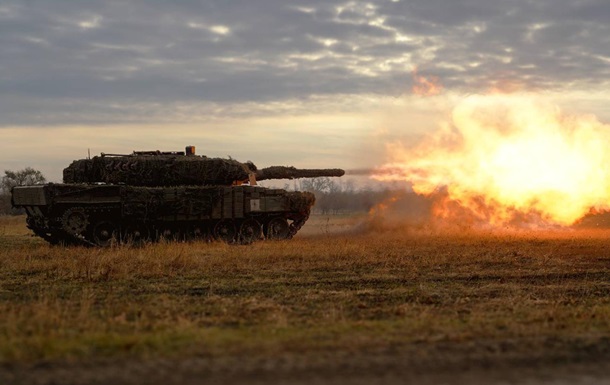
[95, 227]
[297, 223]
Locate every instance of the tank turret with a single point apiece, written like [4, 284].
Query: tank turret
[156, 168]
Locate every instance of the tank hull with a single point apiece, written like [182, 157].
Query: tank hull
[106, 214]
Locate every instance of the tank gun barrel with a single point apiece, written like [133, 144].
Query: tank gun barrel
[282, 172]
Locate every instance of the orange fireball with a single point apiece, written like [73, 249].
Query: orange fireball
[503, 157]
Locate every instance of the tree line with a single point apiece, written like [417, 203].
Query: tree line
[339, 196]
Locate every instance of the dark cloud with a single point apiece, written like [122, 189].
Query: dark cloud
[117, 61]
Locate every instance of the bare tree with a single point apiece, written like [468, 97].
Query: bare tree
[316, 185]
[26, 177]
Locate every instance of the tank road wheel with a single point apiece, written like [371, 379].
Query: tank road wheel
[225, 231]
[105, 233]
[171, 234]
[277, 228]
[75, 221]
[199, 232]
[249, 231]
[136, 234]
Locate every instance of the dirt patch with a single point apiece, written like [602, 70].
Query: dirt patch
[455, 365]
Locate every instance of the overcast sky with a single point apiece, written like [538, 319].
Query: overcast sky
[277, 82]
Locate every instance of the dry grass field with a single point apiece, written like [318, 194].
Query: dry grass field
[338, 302]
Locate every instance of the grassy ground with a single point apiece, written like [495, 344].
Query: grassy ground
[336, 295]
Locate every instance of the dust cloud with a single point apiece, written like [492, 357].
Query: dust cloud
[437, 213]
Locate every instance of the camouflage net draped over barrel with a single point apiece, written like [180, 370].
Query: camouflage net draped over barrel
[281, 172]
[157, 170]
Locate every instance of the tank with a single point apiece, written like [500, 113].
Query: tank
[148, 196]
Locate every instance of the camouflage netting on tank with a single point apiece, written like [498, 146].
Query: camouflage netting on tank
[300, 201]
[157, 170]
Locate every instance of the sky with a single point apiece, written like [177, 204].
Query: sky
[303, 83]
